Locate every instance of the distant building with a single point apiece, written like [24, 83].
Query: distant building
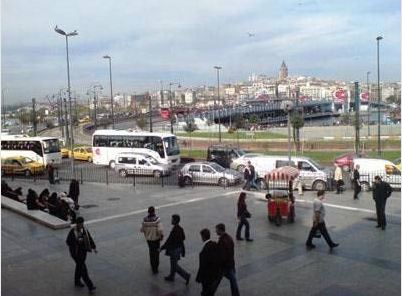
[283, 71]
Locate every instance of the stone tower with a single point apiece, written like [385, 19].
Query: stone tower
[283, 71]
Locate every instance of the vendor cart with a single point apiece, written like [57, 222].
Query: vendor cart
[281, 202]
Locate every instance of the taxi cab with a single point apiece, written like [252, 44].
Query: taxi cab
[21, 166]
[64, 152]
[82, 153]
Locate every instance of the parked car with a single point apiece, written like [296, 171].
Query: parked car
[140, 164]
[223, 154]
[371, 167]
[65, 152]
[21, 166]
[240, 163]
[345, 161]
[208, 173]
[82, 153]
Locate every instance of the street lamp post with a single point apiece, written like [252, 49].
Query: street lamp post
[379, 96]
[171, 113]
[111, 88]
[368, 106]
[74, 33]
[219, 110]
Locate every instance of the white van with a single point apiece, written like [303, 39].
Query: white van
[371, 167]
[312, 175]
[139, 164]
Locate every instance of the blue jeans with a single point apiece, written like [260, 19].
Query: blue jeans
[231, 276]
[243, 221]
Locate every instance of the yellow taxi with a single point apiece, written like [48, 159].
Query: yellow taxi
[65, 152]
[82, 153]
[21, 165]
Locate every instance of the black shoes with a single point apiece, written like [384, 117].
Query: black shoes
[92, 290]
[249, 239]
[239, 238]
[378, 226]
[79, 284]
[334, 245]
[310, 246]
[169, 279]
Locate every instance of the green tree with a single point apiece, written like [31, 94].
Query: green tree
[254, 119]
[297, 122]
[190, 126]
[239, 122]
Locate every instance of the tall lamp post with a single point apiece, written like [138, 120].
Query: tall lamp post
[111, 88]
[368, 106]
[219, 110]
[171, 113]
[74, 33]
[379, 96]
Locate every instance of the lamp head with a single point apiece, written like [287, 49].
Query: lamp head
[106, 57]
[379, 38]
[61, 32]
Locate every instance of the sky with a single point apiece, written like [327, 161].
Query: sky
[182, 40]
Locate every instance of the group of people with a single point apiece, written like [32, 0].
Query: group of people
[216, 259]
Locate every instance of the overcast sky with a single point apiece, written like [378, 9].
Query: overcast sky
[181, 40]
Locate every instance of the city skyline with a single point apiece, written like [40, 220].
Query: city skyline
[181, 41]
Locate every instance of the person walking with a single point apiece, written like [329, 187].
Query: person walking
[252, 176]
[153, 233]
[242, 215]
[50, 172]
[338, 178]
[226, 249]
[381, 191]
[246, 176]
[319, 222]
[80, 242]
[74, 192]
[209, 272]
[356, 182]
[174, 246]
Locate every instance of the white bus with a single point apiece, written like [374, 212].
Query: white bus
[106, 144]
[41, 149]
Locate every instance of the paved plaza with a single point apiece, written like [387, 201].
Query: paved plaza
[36, 261]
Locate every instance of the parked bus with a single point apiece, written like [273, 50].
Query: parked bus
[106, 144]
[40, 149]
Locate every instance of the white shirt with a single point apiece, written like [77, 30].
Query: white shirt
[318, 206]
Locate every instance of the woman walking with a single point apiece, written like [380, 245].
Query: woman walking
[242, 215]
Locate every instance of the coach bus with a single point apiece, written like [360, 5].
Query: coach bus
[106, 144]
[41, 149]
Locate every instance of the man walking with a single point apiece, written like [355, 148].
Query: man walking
[381, 191]
[174, 246]
[356, 182]
[252, 176]
[153, 232]
[209, 272]
[319, 222]
[50, 172]
[80, 242]
[226, 248]
[246, 176]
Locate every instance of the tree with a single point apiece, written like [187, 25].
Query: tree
[297, 122]
[239, 122]
[190, 126]
[141, 121]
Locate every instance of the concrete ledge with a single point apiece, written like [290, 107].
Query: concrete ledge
[36, 215]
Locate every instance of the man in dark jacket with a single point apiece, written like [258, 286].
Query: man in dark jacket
[356, 182]
[381, 191]
[226, 248]
[74, 192]
[209, 273]
[80, 242]
[50, 171]
[174, 246]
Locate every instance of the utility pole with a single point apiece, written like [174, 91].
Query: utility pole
[60, 114]
[379, 96]
[3, 108]
[368, 106]
[34, 116]
[150, 112]
[357, 119]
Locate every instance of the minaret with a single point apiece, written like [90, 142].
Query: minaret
[283, 71]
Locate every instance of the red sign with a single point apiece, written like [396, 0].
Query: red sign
[364, 97]
[340, 95]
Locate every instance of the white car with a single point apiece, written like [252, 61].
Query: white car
[240, 163]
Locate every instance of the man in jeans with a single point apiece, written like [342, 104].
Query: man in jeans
[319, 222]
[152, 229]
[226, 246]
